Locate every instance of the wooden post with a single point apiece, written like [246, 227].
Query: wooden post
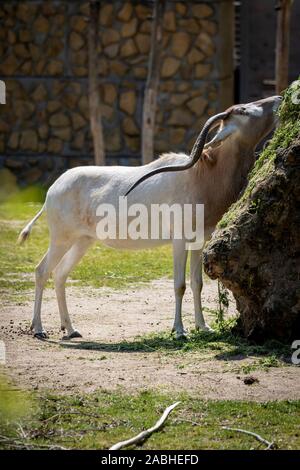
[283, 44]
[150, 98]
[94, 99]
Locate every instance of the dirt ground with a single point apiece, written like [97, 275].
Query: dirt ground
[107, 317]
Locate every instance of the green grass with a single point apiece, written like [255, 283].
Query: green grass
[101, 419]
[14, 404]
[101, 266]
[263, 363]
[287, 131]
[222, 345]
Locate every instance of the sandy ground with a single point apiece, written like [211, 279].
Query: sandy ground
[107, 317]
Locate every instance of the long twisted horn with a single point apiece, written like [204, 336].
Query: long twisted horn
[195, 154]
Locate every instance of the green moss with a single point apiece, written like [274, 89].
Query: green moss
[287, 131]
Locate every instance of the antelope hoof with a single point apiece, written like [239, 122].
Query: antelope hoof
[205, 328]
[75, 334]
[182, 335]
[41, 335]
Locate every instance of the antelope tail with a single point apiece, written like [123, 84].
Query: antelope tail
[24, 235]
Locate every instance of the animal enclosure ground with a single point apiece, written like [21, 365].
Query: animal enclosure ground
[126, 343]
[127, 367]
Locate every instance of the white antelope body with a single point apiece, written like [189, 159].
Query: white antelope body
[215, 179]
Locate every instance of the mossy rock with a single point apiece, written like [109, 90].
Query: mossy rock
[255, 250]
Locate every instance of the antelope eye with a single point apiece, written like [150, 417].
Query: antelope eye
[241, 110]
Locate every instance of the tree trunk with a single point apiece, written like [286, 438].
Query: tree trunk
[94, 98]
[150, 99]
[283, 44]
[258, 257]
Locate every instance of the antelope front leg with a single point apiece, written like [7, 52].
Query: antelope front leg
[196, 285]
[179, 261]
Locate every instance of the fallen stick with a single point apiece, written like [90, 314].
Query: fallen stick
[66, 413]
[270, 445]
[21, 431]
[147, 433]
[182, 420]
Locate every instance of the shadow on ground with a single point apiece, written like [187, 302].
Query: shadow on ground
[225, 345]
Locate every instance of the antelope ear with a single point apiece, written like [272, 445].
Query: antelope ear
[224, 132]
[209, 156]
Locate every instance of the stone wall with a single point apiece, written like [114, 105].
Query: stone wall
[44, 127]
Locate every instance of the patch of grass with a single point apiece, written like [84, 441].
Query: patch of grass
[17, 263]
[98, 420]
[104, 266]
[264, 363]
[15, 404]
[287, 131]
[270, 361]
[10, 191]
[223, 344]
[101, 266]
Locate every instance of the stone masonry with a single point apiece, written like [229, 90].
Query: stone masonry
[44, 127]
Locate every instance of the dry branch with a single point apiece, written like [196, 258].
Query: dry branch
[94, 99]
[270, 445]
[66, 413]
[150, 99]
[22, 444]
[147, 433]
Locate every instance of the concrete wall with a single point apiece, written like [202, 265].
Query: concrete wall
[44, 127]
